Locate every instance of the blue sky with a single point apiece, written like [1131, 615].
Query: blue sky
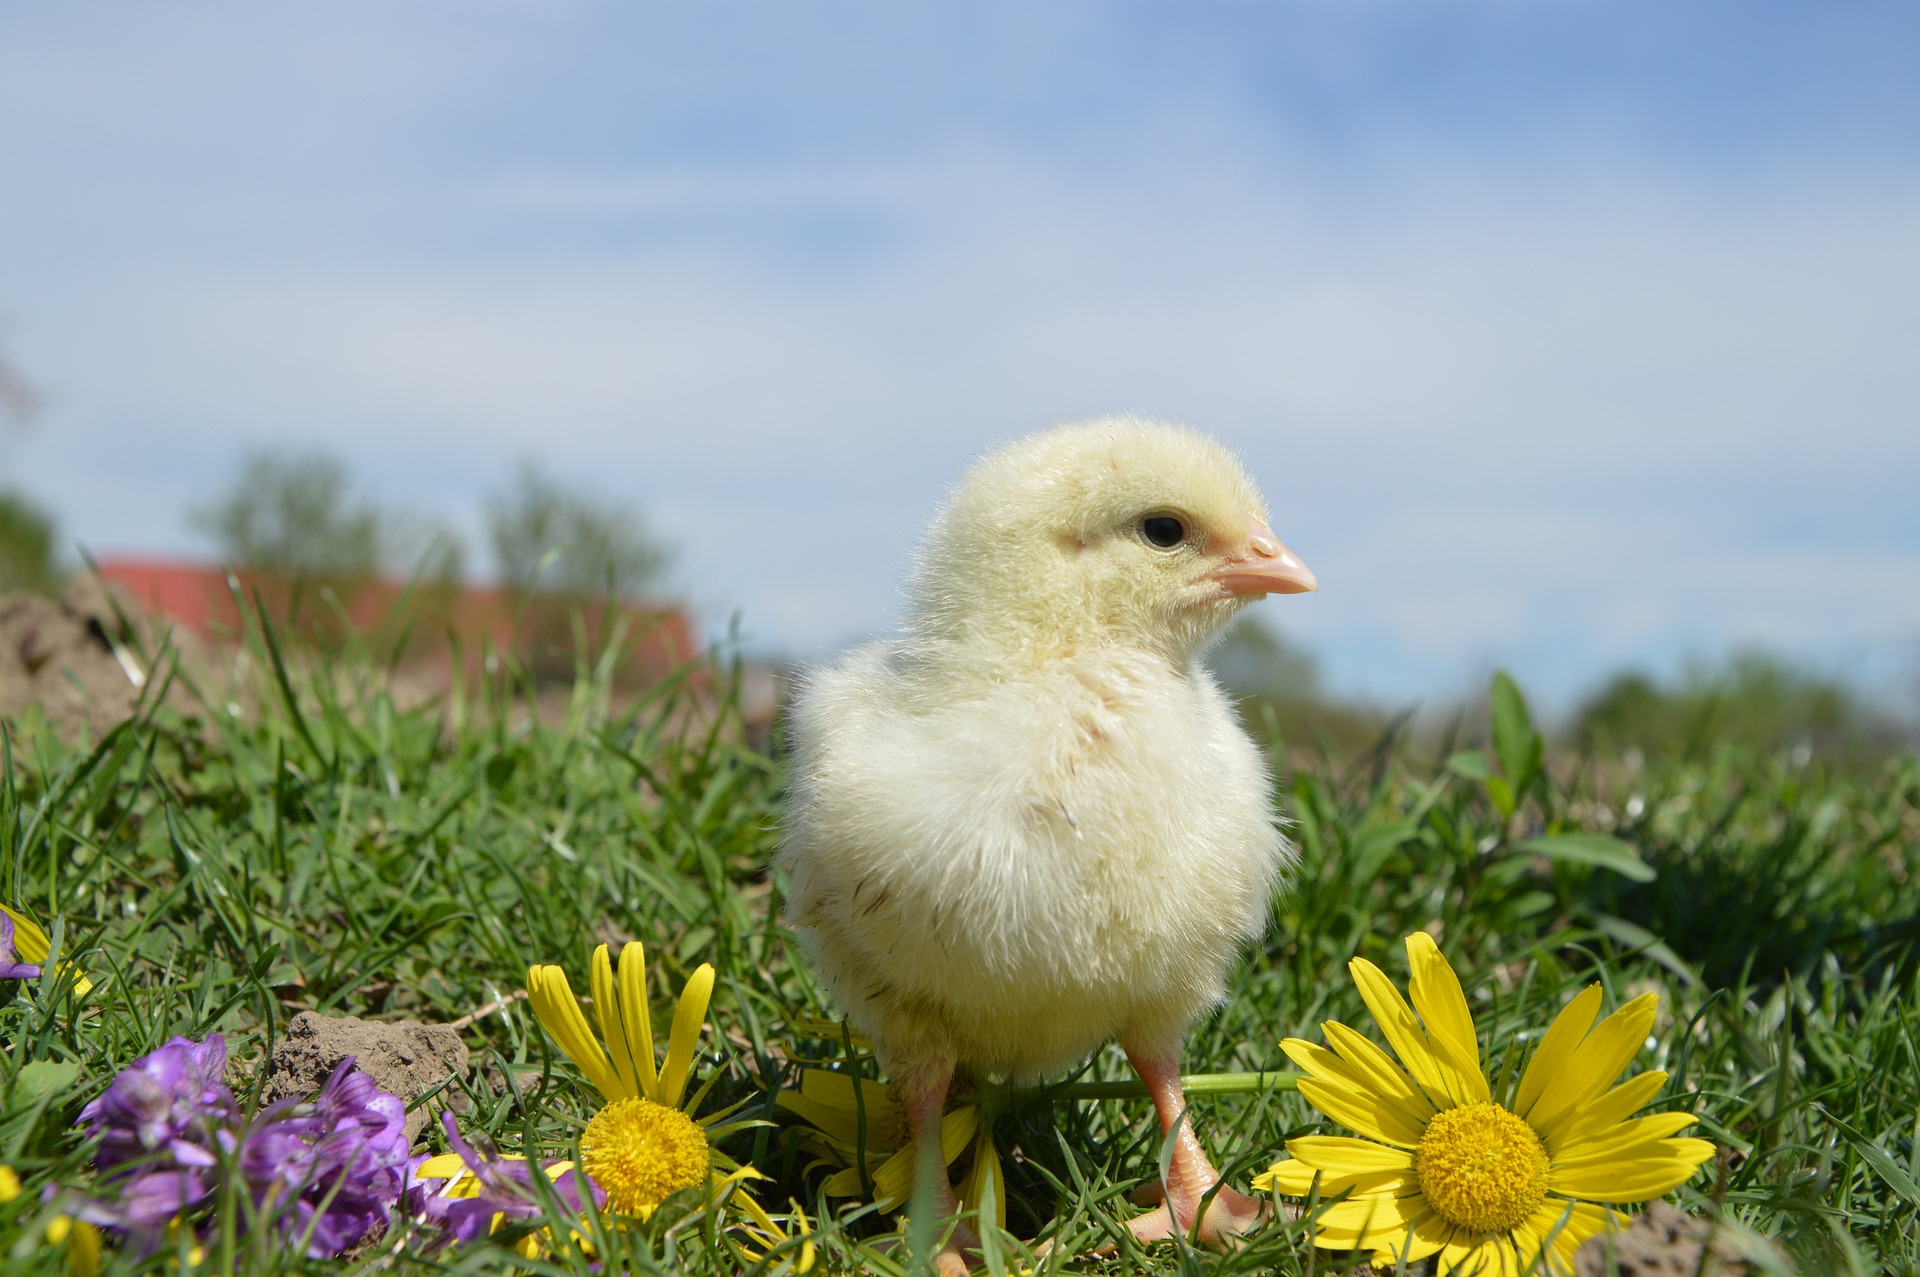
[1561, 335]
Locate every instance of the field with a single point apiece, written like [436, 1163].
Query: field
[329, 851]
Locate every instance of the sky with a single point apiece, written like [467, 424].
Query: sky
[1562, 335]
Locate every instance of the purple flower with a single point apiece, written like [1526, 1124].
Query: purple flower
[9, 969]
[163, 1126]
[173, 1101]
[327, 1170]
[331, 1168]
[505, 1190]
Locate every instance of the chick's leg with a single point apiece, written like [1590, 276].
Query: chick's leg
[1190, 1176]
[925, 1101]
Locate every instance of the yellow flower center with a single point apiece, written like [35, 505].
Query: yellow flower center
[1482, 1168]
[639, 1152]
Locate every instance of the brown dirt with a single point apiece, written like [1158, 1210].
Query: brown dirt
[406, 1059]
[1664, 1242]
[80, 658]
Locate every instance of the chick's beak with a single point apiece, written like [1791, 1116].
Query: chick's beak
[1264, 566]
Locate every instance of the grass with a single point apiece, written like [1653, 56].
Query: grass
[335, 852]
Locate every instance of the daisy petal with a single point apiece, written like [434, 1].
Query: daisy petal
[846, 1183]
[1294, 1178]
[984, 1177]
[1597, 1061]
[1621, 1140]
[1563, 1227]
[1590, 1121]
[839, 1091]
[1367, 1114]
[1557, 1047]
[1468, 1255]
[893, 1182]
[1409, 1040]
[1290, 1176]
[635, 1018]
[1429, 1237]
[1374, 1220]
[1529, 1245]
[1638, 1180]
[441, 1166]
[30, 943]
[606, 1008]
[1442, 1005]
[1583, 1221]
[556, 1008]
[1339, 1155]
[842, 1126]
[1358, 1085]
[684, 1037]
[1374, 1070]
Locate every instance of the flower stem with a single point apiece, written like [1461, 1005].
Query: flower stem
[1134, 1089]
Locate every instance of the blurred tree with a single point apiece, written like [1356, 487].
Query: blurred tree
[1753, 697]
[1253, 660]
[551, 539]
[292, 515]
[26, 546]
[309, 547]
[26, 531]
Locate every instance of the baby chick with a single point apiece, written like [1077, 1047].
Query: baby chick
[1032, 825]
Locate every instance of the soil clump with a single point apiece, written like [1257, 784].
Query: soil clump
[1665, 1242]
[82, 658]
[406, 1059]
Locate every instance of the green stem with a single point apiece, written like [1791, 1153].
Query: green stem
[1134, 1089]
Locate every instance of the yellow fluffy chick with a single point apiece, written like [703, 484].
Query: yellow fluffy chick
[1032, 825]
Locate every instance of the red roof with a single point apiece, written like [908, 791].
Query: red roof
[434, 617]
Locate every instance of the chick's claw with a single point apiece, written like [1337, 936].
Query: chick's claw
[1230, 1216]
[952, 1259]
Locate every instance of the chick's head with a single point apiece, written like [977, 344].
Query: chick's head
[1115, 531]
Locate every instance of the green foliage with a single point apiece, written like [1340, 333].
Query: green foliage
[547, 537]
[339, 852]
[26, 546]
[1754, 698]
[294, 515]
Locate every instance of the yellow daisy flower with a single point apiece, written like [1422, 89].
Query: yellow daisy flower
[31, 944]
[832, 1106]
[646, 1143]
[1444, 1169]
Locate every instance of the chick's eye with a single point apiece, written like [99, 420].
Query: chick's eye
[1163, 530]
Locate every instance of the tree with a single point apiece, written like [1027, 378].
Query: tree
[26, 546]
[27, 538]
[293, 515]
[551, 539]
[1753, 697]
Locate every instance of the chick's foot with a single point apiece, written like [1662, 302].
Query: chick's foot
[924, 1094]
[951, 1259]
[1229, 1215]
[1190, 1176]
